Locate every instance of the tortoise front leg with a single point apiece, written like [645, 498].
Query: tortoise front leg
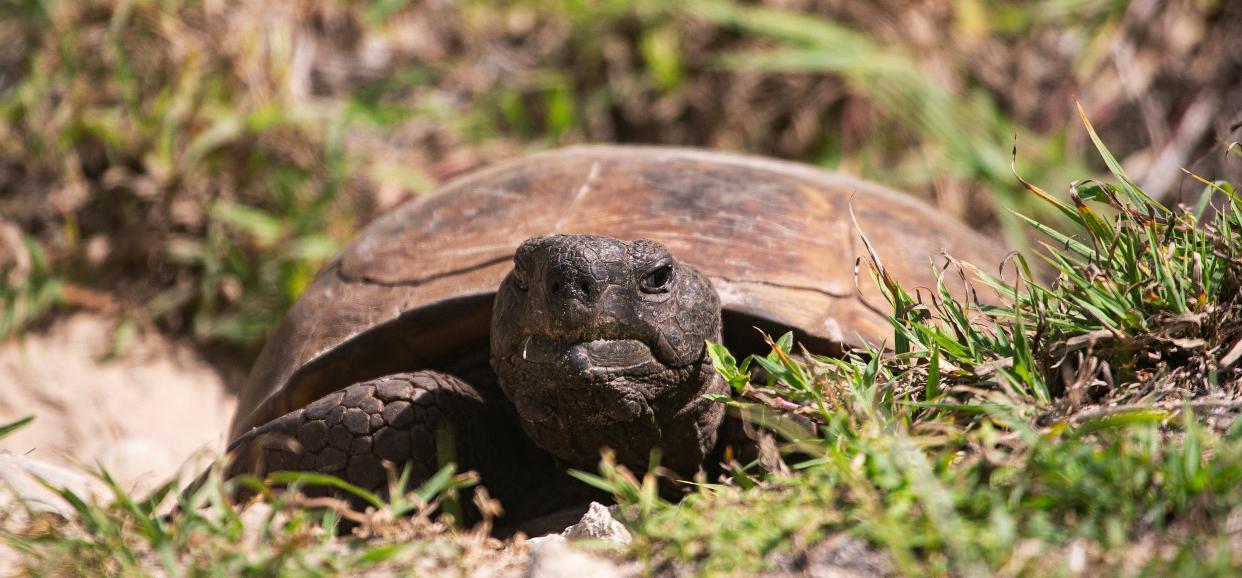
[351, 432]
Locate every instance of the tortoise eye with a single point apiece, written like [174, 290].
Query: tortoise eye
[519, 279]
[657, 280]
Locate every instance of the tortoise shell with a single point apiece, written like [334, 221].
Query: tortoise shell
[415, 289]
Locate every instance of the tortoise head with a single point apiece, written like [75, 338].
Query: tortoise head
[600, 343]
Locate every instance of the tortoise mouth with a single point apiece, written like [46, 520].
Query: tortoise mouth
[593, 358]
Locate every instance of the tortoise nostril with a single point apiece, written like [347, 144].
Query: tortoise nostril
[571, 287]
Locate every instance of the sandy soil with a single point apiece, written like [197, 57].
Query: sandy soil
[150, 411]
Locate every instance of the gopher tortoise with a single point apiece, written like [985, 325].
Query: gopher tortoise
[524, 317]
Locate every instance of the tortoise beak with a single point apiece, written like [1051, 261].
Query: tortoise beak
[585, 357]
[609, 354]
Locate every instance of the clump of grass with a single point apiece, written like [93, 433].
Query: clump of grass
[929, 504]
[203, 530]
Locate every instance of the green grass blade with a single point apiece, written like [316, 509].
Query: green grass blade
[12, 427]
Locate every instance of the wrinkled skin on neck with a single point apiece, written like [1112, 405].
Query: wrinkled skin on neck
[600, 343]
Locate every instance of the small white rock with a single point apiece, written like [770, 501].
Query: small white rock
[598, 524]
[551, 556]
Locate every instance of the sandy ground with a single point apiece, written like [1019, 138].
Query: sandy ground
[151, 411]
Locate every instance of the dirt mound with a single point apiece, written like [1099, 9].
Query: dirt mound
[142, 414]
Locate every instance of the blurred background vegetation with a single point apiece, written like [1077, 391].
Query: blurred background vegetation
[190, 164]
